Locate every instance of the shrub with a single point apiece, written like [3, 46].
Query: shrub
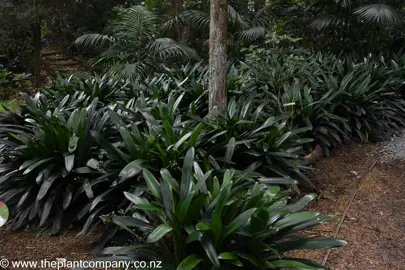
[198, 223]
[11, 83]
[106, 89]
[338, 97]
[44, 177]
[154, 134]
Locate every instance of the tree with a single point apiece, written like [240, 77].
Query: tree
[218, 56]
[132, 48]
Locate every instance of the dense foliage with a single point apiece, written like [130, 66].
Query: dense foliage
[133, 47]
[136, 147]
[202, 222]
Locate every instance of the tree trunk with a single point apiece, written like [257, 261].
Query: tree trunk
[218, 58]
[36, 40]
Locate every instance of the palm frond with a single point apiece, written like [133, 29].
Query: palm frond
[132, 71]
[197, 19]
[136, 22]
[171, 23]
[327, 21]
[380, 14]
[252, 34]
[94, 40]
[166, 48]
[235, 17]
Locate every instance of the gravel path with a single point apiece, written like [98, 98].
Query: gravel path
[393, 149]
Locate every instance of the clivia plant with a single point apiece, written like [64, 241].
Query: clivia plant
[205, 222]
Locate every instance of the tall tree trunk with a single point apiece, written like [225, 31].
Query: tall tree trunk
[36, 40]
[218, 58]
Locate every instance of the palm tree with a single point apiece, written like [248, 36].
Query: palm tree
[132, 48]
[356, 21]
[242, 29]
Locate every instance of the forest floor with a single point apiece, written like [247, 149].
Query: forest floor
[355, 175]
[362, 182]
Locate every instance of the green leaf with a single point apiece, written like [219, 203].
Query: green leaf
[194, 136]
[210, 250]
[99, 198]
[117, 154]
[278, 181]
[135, 199]
[92, 163]
[44, 174]
[45, 186]
[149, 207]
[301, 203]
[228, 256]
[158, 233]
[167, 177]
[215, 187]
[201, 226]
[240, 220]
[294, 219]
[73, 143]
[227, 177]
[244, 122]
[186, 176]
[169, 131]
[194, 236]
[47, 209]
[36, 164]
[230, 148]
[133, 222]
[28, 163]
[184, 205]
[127, 250]
[318, 242]
[87, 188]
[69, 162]
[153, 184]
[195, 209]
[189, 263]
[182, 140]
[67, 198]
[132, 169]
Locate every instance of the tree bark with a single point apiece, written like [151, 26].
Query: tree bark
[36, 40]
[218, 57]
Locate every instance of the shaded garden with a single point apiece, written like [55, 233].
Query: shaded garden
[171, 154]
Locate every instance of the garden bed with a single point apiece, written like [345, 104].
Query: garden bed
[373, 226]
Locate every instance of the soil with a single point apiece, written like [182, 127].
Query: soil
[374, 226]
[28, 246]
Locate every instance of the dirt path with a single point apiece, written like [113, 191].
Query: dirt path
[374, 226]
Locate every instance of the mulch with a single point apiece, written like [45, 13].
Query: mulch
[374, 226]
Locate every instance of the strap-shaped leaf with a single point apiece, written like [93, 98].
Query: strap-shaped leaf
[132, 169]
[153, 184]
[187, 173]
[189, 263]
[158, 233]
[318, 242]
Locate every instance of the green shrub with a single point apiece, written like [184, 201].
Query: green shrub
[44, 177]
[338, 97]
[201, 223]
[11, 83]
[154, 134]
[106, 89]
